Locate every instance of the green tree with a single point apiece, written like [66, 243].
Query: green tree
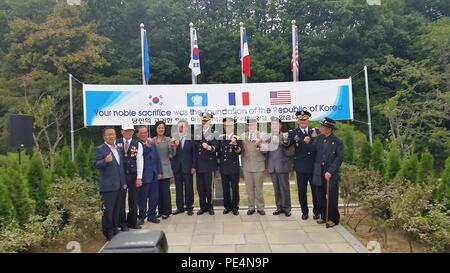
[377, 157]
[365, 157]
[17, 187]
[443, 191]
[59, 169]
[7, 211]
[38, 183]
[82, 162]
[426, 167]
[393, 162]
[408, 170]
[69, 165]
[349, 151]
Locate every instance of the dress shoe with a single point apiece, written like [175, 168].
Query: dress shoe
[277, 212]
[330, 224]
[164, 217]
[211, 212]
[287, 213]
[178, 211]
[235, 212]
[226, 211]
[316, 216]
[124, 229]
[250, 212]
[154, 220]
[158, 216]
[190, 212]
[136, 227]
[304, 216]
[321, 221]
[200, 212]
[140, 222]
[261, 212]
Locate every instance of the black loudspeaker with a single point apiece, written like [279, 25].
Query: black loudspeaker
[20, 132]
[137, 241]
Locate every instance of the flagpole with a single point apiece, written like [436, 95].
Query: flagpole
[191, 30]
[369, 119]
[294, 56]
[244, 78]
[142, 53]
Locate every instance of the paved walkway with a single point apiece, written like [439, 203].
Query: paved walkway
[253, 234]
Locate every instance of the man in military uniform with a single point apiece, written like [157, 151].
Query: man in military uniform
[134, 166]
[206, 147]
[303, 161]
[329, 156]
[253, 166]
[230, 148]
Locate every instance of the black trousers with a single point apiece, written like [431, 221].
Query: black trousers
[204, 188]
[184, 190]
[165, 200]
[302, 185]
[230, 198]
[110, 206]
[129, 219]
[333, 210]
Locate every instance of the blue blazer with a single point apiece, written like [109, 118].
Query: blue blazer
[112, 175]
[183, 161]
[152, 164]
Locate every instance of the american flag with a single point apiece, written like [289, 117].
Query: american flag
[280, 97]
[296, 52]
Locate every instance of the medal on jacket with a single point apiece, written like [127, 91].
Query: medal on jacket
[133, 151]
[296, 138]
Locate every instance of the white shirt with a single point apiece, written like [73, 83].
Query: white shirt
[115, 152]
[139, 158]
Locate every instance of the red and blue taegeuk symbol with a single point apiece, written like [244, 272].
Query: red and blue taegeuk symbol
[195, 53]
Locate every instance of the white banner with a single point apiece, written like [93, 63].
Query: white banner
[146, 104]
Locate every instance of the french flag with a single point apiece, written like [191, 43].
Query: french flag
[245, 56]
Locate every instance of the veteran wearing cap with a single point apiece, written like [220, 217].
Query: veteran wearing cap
[278, 166]
[302, 139]
[134, 166]
[206, 147]
[253, 166]
[230, 147]
[329, 152]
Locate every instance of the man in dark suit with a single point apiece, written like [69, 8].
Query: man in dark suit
[329, 152]
[206, 147]
[230, 148]
[133, 166]
[278, 166]
[303, 161]
[149, 191]
[183, 169]
[108, 159]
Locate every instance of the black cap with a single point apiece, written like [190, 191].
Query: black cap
[328, 122]
[303, 115]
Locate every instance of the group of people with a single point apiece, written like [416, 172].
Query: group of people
[142, 169]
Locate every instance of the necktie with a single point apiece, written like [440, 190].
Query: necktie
[182, 142]
[251, 137]
[126, 146]
[304, 131]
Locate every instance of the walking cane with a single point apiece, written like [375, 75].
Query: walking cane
[328, 197]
